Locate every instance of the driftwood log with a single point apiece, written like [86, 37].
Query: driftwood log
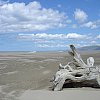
[76, 73]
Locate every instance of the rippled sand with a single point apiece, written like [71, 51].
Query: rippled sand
[23, 73]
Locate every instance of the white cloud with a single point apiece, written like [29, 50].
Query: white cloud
[74, 26]
[98, 37]
[80, 15]
[68, 21]
[46, 40]
[51, 45]
[75, 36]
[93, 42]
[49, 37]
[42, 36]
[21, 17]
[92, 25]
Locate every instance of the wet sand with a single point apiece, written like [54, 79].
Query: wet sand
[29, 73]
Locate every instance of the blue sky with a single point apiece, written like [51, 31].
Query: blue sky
[42, 25]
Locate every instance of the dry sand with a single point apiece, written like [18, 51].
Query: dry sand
[26, 75]
[68, 94]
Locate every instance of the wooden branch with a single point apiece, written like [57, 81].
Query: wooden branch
[83, 72]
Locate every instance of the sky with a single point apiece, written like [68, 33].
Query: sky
[48, 25]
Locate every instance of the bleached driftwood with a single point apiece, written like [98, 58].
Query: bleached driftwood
[76, 72]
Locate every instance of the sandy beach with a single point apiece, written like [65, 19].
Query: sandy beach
[26, 76]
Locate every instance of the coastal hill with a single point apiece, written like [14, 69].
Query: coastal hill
[89, 48]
